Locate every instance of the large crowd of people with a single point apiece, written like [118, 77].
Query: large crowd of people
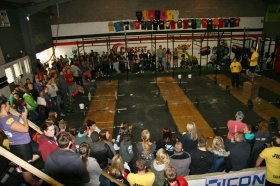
[83, 156]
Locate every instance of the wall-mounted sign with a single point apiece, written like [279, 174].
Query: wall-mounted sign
[4, 20]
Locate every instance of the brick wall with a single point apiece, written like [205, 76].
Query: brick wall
[111, 10]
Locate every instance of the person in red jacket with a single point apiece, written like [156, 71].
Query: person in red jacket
[47, 142]
[171, 178]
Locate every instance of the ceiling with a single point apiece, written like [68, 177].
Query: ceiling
[20, 3]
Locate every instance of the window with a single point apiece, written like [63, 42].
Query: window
[10, 75]
[27, 66]
[17, 69]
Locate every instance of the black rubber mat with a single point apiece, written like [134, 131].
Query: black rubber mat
[139, 103]
[215, 104]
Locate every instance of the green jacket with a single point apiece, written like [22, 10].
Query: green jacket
[30, 102]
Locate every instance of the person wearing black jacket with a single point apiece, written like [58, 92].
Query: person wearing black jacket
[239, 153]
[65, 165]
[100, 150]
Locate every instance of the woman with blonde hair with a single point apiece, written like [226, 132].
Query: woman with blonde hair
[145, 148]
[158, 165]
[189, 138]
[220, 155]
[118, 171]
[91, 164]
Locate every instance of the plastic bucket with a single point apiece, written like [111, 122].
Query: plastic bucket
[82, 106]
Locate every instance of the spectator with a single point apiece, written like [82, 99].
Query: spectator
[62, 86]
[262, 140]
[91, 165]
[126, 150]
[220, 154]
[16, 129]
[91, 127]
[82, 137]
[66, 166]
[4, 142]
[100, 151]
[167, 142]
[118, 171]
[31, 106]
[202, 159]
[145, 148]
[249, 135]
[125, 130]
[189, 138]
[62, 124]
[271, 156]
[239, 152]
[171, 178]
[53, 91]
[235, 126]
[47, 141]
[105, 136]
[42, 108]
[142, 177]
[53, 116]
[76, 71]
[69, 80]
[180, 160]
[158, 165]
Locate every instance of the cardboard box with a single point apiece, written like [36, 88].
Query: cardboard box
[250, 90]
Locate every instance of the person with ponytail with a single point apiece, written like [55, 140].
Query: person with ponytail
[145, 148]
[91, 165]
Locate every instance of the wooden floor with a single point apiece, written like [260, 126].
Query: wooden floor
[181, 108]
[264, 109]
[272, 85]
[103, 105]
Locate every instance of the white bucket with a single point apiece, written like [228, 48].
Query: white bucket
[189, 76]
[82, 106]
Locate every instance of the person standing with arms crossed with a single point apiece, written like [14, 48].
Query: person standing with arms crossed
[235, 68]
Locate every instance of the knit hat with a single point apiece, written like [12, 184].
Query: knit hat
[239, 115]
